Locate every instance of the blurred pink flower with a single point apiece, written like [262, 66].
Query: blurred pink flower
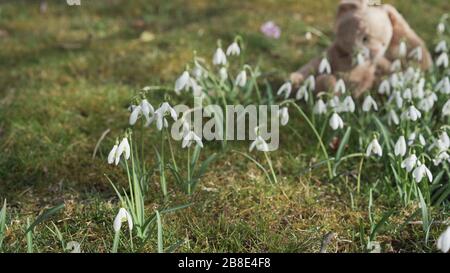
[271, 30]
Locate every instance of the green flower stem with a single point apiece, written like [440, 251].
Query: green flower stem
[116, 242]
[269, 161]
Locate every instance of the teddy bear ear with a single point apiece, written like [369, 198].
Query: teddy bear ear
[351, 5]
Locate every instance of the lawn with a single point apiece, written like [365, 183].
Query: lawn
[67, 76]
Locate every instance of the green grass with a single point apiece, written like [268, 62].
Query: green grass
[68, 75]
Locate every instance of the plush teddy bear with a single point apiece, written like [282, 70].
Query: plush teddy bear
[373, 32]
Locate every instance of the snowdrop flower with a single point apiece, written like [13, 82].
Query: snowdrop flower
[145, 109]
[446, 109]
[324, 66]
[223, 73]
[271, 30]
[441, 28]
[411, 138]
[396, 66]
[393, 118]
[285, 90]
[190, 138]
[443, 142]
[402, 50]
[164, 110]
[302, 93]
[422, 140]
[260, 145]
[219, 57]
[122, 216]
[308, 35]
[340, 87]
[384, 88]
[416, 54]
[420, 171]
[233, 49]
[400, 147]
[311, 83]
[283, 113]
[197, 90]
[443, 242]
[334, 103]
[117, 151]
[369, 103]
[398, 99]
[320, 107]
[241, 79]
[182, 82]
[407, 94]
[409, 163]
[336, 122]
[442, 60]
[374, 148]
[427, 103]
[74, 247]
[348, 105]
[112, 154]
[442, 157]
[444, 86]
[197, 71]
[441, 47]
[411, 114]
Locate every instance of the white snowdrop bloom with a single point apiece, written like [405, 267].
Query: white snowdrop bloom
[260, 145]
[407, 94]
[395, 81]
[320, 107]
[182, 82]
[219, 57]
[190, 138]
[233, 49]
[384, 88]
[302, 93]
[446, 109]
[197, 71]
[241, 79]
[283, 114]
[324, 67]
[348, 105]
[441, 47]
[411, 114]
[164, 110]
[396, 66]
[311, 83]
[416, 54]
[336, 122]
[400, 147]
[393, 118]
[285, 90]
[441, 158]
[422, 140]
[440, 30]
[112, 154]
[374, 148]
[427, 103]
[443, 143]
[442, 60]
[411, 138]
[443, 242]
[124, 147]
[340, 87]
[369, 103]
[74, 247]
[421, 171]
[443, 86]
[402, 50]
[398, 99]
[409, 163]
[419, 89]
[223, 73]
[122, 216]
[334, 103]
[143, 109]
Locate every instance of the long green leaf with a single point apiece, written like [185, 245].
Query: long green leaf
[160, 233]
[344, 142]
[2, 223]
[44, 216]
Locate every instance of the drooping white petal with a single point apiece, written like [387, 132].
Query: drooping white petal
[285, 90]
[233, 49]
[284, 115]
[182, 82]
[336, 122]
[400, 147]
[409, 163]
[442, 60]
[340, 87]
[369, 103]
[219, 57]
[302, 93]
[320, 107]
[122, 216]
[402, 50]
[443, 242]
[135, 115]
[112, 154]
[441, 47]
[324, 66]
[384, 88]
[260, 145]
[241, 79]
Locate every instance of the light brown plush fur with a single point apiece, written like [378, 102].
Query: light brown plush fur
[380, 29]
